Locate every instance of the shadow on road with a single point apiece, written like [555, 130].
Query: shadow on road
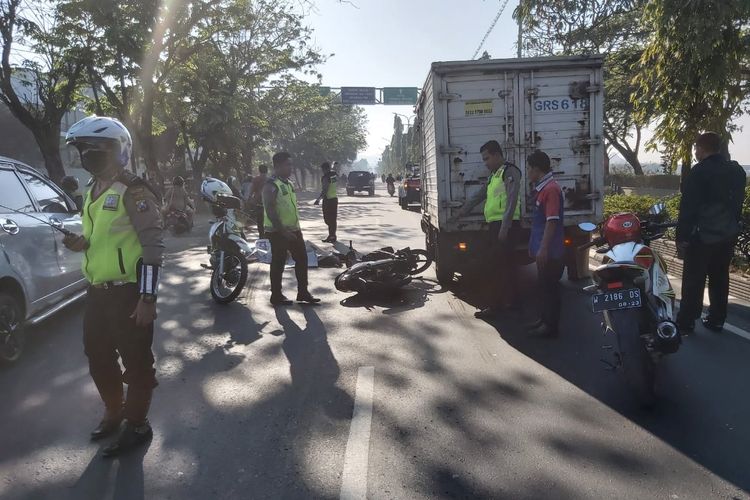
[413, 296]
[698, 411]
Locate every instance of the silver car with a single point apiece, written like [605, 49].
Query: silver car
[38, 275]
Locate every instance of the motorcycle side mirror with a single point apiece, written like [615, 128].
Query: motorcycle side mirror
[229, 202]
[588, 227]
[657, 209]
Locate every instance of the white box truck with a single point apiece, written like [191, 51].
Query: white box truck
[554, 104]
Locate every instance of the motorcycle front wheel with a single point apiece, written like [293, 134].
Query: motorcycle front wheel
[637, 366]
[227, 286]
[422, 261]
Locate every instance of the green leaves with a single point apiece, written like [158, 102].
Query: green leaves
[692, 75]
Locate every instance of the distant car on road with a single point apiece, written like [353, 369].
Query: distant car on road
[410, 192]
[38, 276]
[360, 180]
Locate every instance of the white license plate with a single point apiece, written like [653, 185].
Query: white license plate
[623, 298]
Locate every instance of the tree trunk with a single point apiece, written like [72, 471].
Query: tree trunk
[634, 162]
[49, 145]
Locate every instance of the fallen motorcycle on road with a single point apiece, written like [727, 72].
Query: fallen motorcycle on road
[383, 271]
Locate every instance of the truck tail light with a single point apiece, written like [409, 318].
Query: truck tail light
[462, 247]
[568, 242]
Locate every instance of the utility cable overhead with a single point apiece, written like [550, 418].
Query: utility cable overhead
[492, 27]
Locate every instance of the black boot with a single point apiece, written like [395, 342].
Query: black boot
[280, 300]
[106, 427]
[131, 436]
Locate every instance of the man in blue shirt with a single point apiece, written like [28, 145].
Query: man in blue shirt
[546, 243]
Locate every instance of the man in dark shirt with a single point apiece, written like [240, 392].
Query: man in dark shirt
[710, 214]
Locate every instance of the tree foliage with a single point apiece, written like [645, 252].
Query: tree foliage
[693, 72]
[609, 27]
[41, 73]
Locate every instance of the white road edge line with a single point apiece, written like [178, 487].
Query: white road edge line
[354, 477]
[730, 328]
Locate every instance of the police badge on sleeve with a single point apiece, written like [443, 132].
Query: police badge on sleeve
[141, 206]
[111, 202]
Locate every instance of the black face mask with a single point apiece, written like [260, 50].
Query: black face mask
[96, 161]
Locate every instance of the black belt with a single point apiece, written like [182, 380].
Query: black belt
[110, 284]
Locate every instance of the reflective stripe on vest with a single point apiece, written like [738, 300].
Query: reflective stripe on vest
[286, 207]
[114, 249]
[332, 187]
[497, 199]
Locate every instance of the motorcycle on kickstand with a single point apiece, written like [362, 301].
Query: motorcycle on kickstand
[632, 290]
[382, 271]
[229, 251]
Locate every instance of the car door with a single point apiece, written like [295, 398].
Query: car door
[27, 245]
[62, 212]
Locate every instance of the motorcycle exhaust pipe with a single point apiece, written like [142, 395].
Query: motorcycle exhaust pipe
[667, 331]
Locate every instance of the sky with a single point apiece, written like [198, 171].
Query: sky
[391, 43]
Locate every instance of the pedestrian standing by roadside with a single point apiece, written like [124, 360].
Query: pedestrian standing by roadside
[502, 212]
[710, 213]
[330, 197]
[123, 245]
[283, 230]
[256, 199]
[546, 243]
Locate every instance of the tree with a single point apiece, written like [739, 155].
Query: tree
[609, 27]
[693, 71]
[43, 87]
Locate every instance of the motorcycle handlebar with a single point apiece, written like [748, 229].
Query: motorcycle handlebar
[596, 242]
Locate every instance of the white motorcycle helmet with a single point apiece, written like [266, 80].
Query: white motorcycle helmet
[102, 133]
[211, 188]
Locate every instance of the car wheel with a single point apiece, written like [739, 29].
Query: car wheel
[11, 328]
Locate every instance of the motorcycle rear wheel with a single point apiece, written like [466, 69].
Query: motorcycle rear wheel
[637, 366]
[227, 287]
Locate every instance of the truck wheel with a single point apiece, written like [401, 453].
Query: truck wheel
[443, 270]
[444, 273]
[11, 328]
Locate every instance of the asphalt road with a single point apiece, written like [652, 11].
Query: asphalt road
[257, 403]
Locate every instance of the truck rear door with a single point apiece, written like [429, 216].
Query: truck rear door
[558, 106]
[479, 109]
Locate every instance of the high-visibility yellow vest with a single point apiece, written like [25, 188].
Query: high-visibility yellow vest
[114, 248]
[497, 199]
[286, 207]
[332, 187]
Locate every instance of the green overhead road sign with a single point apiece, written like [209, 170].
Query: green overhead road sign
[404, 96]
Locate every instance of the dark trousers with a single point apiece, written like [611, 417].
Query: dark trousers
[504, 268]
[330, 215]
[280, 245]
[110, 333]
[260, 216]
[703, 261]
[550, 299]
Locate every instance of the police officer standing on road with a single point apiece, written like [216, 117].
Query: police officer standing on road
[330, 199]
[710, 213]
[283, 230]
[502, 212]
[122, 241]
